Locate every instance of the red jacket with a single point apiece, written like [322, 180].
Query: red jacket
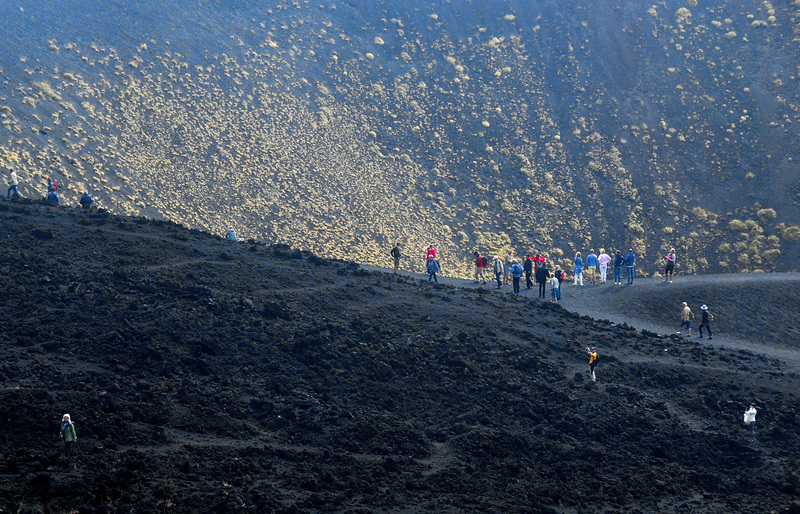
[479, 261]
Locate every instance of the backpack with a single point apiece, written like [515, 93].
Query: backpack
[485, 261]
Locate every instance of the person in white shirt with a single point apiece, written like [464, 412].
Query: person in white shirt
[13, 182]
[230, 235]
[750, 420]
[603, 259]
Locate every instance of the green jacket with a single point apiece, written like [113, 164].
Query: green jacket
[68, 432]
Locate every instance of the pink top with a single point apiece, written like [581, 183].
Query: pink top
[604, 259]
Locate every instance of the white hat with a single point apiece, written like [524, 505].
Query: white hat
[704, 307]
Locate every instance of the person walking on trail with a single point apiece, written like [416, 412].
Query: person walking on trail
[559, 275]
[669, 268]
[479, 268]
[508, 261]
[432, 268]
[68, 432]
[686, 319]
[498, 270]
[603, 259]
[578, 269]
[230, 234]
[542, 276]
[555, 288]
[13, 182]
[529, 267]
[592, 352]
[516, 274]
[705, 321]
[619, 260]
[749, 418]
[51, 186]
[630, 262]
[395, 253]
[86, 200]
[591, 267]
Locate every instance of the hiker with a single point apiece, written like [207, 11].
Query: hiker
[591, 267]
[230, 234]
[498, 270]
[559, 274]
[516, 274]
[603, 259]
[529, 267]
[592, 352]
[670, 265]
[395, 253]
[686, 319]
[749, 418]
[508, 261]
[51, 186]
[13, 182]
[53, 199]
[432, 268]
[86, 200]
[479, 266]
[555, 287]
[705, 321]
[67, 432]
[578, 269]
[542, 276]
[630, 259]
[619, 260]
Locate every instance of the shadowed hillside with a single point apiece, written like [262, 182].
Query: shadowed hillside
[209, 376]
[340, 127]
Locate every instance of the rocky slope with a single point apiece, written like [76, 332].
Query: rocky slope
[210, 376]
[342, 127]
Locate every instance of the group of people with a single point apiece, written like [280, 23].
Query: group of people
[686, 320]
[597, 267]
[52, 197]
[510, 270]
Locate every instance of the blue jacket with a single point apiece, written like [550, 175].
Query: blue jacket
[630, 258]
[432, 266]
[578, 265]
[591, 260]
[516, 270]
[619, 260]
[86, 200]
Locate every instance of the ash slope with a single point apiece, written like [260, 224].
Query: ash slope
[344, 126]
[210, 376]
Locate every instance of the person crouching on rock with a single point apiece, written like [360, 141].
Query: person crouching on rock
[432, 268]
[67, 432]
[53, 199]
[592, 352]
[230, 234]
[86, 200]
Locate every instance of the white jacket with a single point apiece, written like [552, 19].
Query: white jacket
[749, 415]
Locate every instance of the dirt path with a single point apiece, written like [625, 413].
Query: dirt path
[601, 302]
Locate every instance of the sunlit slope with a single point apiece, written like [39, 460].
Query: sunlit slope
[343, 127]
